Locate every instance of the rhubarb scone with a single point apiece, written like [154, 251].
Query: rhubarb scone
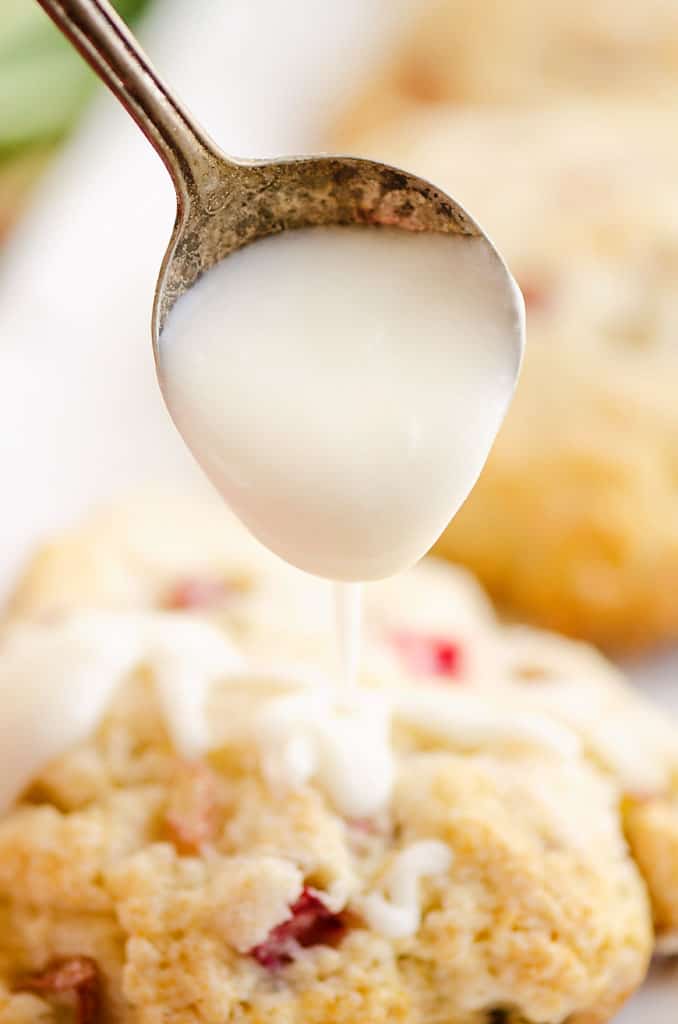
[201, 823]
[574, 522]
[523, 54]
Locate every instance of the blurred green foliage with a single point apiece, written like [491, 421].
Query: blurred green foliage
[44, 85]
[43, 81]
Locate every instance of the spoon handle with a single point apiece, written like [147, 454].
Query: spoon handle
[106, 43]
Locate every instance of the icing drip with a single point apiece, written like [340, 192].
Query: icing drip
[397, 914]
[343, 746]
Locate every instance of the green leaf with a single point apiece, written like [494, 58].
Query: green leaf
[44, 83]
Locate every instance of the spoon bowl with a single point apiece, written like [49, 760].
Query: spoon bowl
[236, 202]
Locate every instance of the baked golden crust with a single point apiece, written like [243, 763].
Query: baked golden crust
[528, 917]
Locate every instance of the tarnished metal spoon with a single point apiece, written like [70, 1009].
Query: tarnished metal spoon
[224, 203]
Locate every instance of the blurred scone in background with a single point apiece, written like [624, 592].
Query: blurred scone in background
[553, 124]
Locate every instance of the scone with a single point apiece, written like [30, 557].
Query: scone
[523, 53]
[221, 833]
[161, 553]
[574, 522]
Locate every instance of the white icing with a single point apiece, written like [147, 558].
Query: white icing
[347, 606]
[186, 657]
[342, 387]
[467, 720]
[343, 746]
[281, 676]
[342, 742]
[54, 684]
[57, 680]
[396, 914]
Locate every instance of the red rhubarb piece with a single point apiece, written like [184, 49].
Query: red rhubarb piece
[426, 654]
[311, 924]
[77, 975]
[197, 594]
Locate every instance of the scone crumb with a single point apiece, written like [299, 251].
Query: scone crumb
[249, 897]
[191, 814]
[76, 975]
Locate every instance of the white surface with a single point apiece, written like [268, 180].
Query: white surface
[80, 413]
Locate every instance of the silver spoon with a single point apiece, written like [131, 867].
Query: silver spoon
[223, 203]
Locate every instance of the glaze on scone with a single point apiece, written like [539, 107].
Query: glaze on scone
[574, 522]
[488, 880]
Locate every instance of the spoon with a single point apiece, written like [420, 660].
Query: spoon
[379, 434]
[224, 203]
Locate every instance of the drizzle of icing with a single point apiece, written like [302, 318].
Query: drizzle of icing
[397, 914]
[186, 657]
[343, 745]
[56, 681]
[467, 720]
